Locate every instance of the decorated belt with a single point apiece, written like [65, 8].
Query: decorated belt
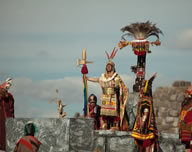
[109, 91]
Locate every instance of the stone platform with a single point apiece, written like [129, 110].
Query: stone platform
[77, 135]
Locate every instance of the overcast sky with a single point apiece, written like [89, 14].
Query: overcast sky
[41, 40]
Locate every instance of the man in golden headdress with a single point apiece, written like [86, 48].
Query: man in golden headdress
[185, 123]
[113, 98]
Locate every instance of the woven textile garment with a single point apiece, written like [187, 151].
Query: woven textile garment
[148, 134]
[114, 95]
[186, 121]
[27, 144]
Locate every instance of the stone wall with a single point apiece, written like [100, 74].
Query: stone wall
[56, 135]
[77, 135]
[167, 106]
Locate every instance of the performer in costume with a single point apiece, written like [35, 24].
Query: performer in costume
[113, 98]
[28, 143]
[185, 123]
[6, 109]
[145, 131]
[94, 111]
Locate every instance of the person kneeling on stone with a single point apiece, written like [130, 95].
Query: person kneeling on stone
[28, 143]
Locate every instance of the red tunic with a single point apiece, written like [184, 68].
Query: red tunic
[6, 110]
[186, 121]
[28, 144]
[94, 113]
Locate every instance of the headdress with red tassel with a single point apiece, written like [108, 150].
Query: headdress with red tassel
[111, 56]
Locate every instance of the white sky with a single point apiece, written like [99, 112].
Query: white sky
[40, 41]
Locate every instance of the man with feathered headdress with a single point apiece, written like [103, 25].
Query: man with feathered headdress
[6, 109]
[113, 98]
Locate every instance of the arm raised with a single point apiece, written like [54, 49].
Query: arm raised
[93, 79]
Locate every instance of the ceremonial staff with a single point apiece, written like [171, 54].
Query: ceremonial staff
[58, 101]
[140, 46]
[84, 71]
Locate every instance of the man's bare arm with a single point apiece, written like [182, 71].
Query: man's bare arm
[93, 79]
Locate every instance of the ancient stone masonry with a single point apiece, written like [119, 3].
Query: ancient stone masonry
[167, 105]
[77, 135]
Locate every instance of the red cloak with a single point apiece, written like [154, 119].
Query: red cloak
[6, 110]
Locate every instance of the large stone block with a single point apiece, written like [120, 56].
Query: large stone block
[159, 120]
[170, 143]
[160, 103]
[169, 120]
[163, 97]
[171, 91]
[176, 106]
[81, 134]
[180, 96]
[174, 113]
[163, 112]
[115, 141]
[180, 148]
[52, 133]
[173, 130]
[131, 108]
[163, 128]
[119, 144]
[55, 134]
[173, 97]
[99, 144]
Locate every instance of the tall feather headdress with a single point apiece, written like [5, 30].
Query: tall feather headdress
[141, 30]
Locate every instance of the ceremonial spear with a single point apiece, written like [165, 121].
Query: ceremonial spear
[84, 71]
[140, 46]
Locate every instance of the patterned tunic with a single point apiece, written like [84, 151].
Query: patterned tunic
[149, 131]
[114, 97]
